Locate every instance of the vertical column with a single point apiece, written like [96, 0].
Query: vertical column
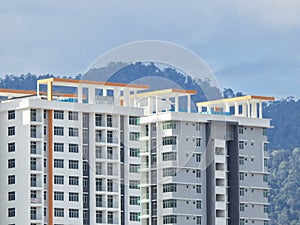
[117, 96]
[254, 110]
[244, 108]
[236, 109]
[91, 95]
[126, 97]
[227, 109]
[49, 90]
[150, 105]
[248, 108]
[176, 107]
[50, 167]
[158, 104]
[79, 93]
[189, 103]
[135, 98]
[260, 110]
[104, 91]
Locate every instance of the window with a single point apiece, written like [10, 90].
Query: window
[241, 145]
[58, 163]
[134, 168]
[109, 136]
[134, 184]
[134, 152]
[58, 179]
[265, 193]
[98, 184]
[73, 213]
[241, 160]
[242, 207]
[198, 189]
[11, 147]
[198, 204]
[169, 125]
[11, 212]
[265, 147]
[169, 219]
[242, 176]
[171, 140]
[98, 152]
[58, 114]
[110, 217]
[58, 147]
[73, 115]
[73, 164]
[242, 222]
[265, 177]
[198, 126]
[109, 185]
[198, 221]
[266, 209]
[169, 187]
[110, 201]
[242, 192]
[73, 148]
[11, 131]
[169, 156]
[134, 136]
[98, 168]
[73, 180]
[59, 196]
[33, 148]
[198, 173]
[98, 200]
[33, 164]
[266, 222]
[11, 179]
[134, 120]
[73, 132]
[134, 216]
[169, 203]
[265, 162]
[265, 132]
[58, 212]
[11, 196]
[241, 129]
[99, 216]
[169, 172]
[109, 153]
[134, 200]
[11, 114]
[11, 163]
[33, 131]
[198, 142]
[33, 180]
[109, 120]
[58, 131]
[73, 197]
[33, 213]
[198, 157]
[98, 136]
[98, 120]
[110, 169]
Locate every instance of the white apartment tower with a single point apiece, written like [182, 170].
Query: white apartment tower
[118, 154]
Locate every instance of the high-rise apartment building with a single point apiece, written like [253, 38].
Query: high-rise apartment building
[115, 154]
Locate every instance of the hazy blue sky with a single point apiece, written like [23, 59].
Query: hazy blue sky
[252, 46]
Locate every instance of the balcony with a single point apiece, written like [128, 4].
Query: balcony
[36, 200]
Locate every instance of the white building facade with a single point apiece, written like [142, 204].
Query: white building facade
[110, 154]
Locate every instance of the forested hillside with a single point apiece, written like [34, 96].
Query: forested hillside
[284, 138]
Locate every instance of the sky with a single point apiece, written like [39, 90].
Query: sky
[251, 46]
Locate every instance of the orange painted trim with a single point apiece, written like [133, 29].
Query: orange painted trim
[263, 98]
[50, 168]
[193, 92]
[71, 81]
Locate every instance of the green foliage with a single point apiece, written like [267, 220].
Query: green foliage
[285, 187]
